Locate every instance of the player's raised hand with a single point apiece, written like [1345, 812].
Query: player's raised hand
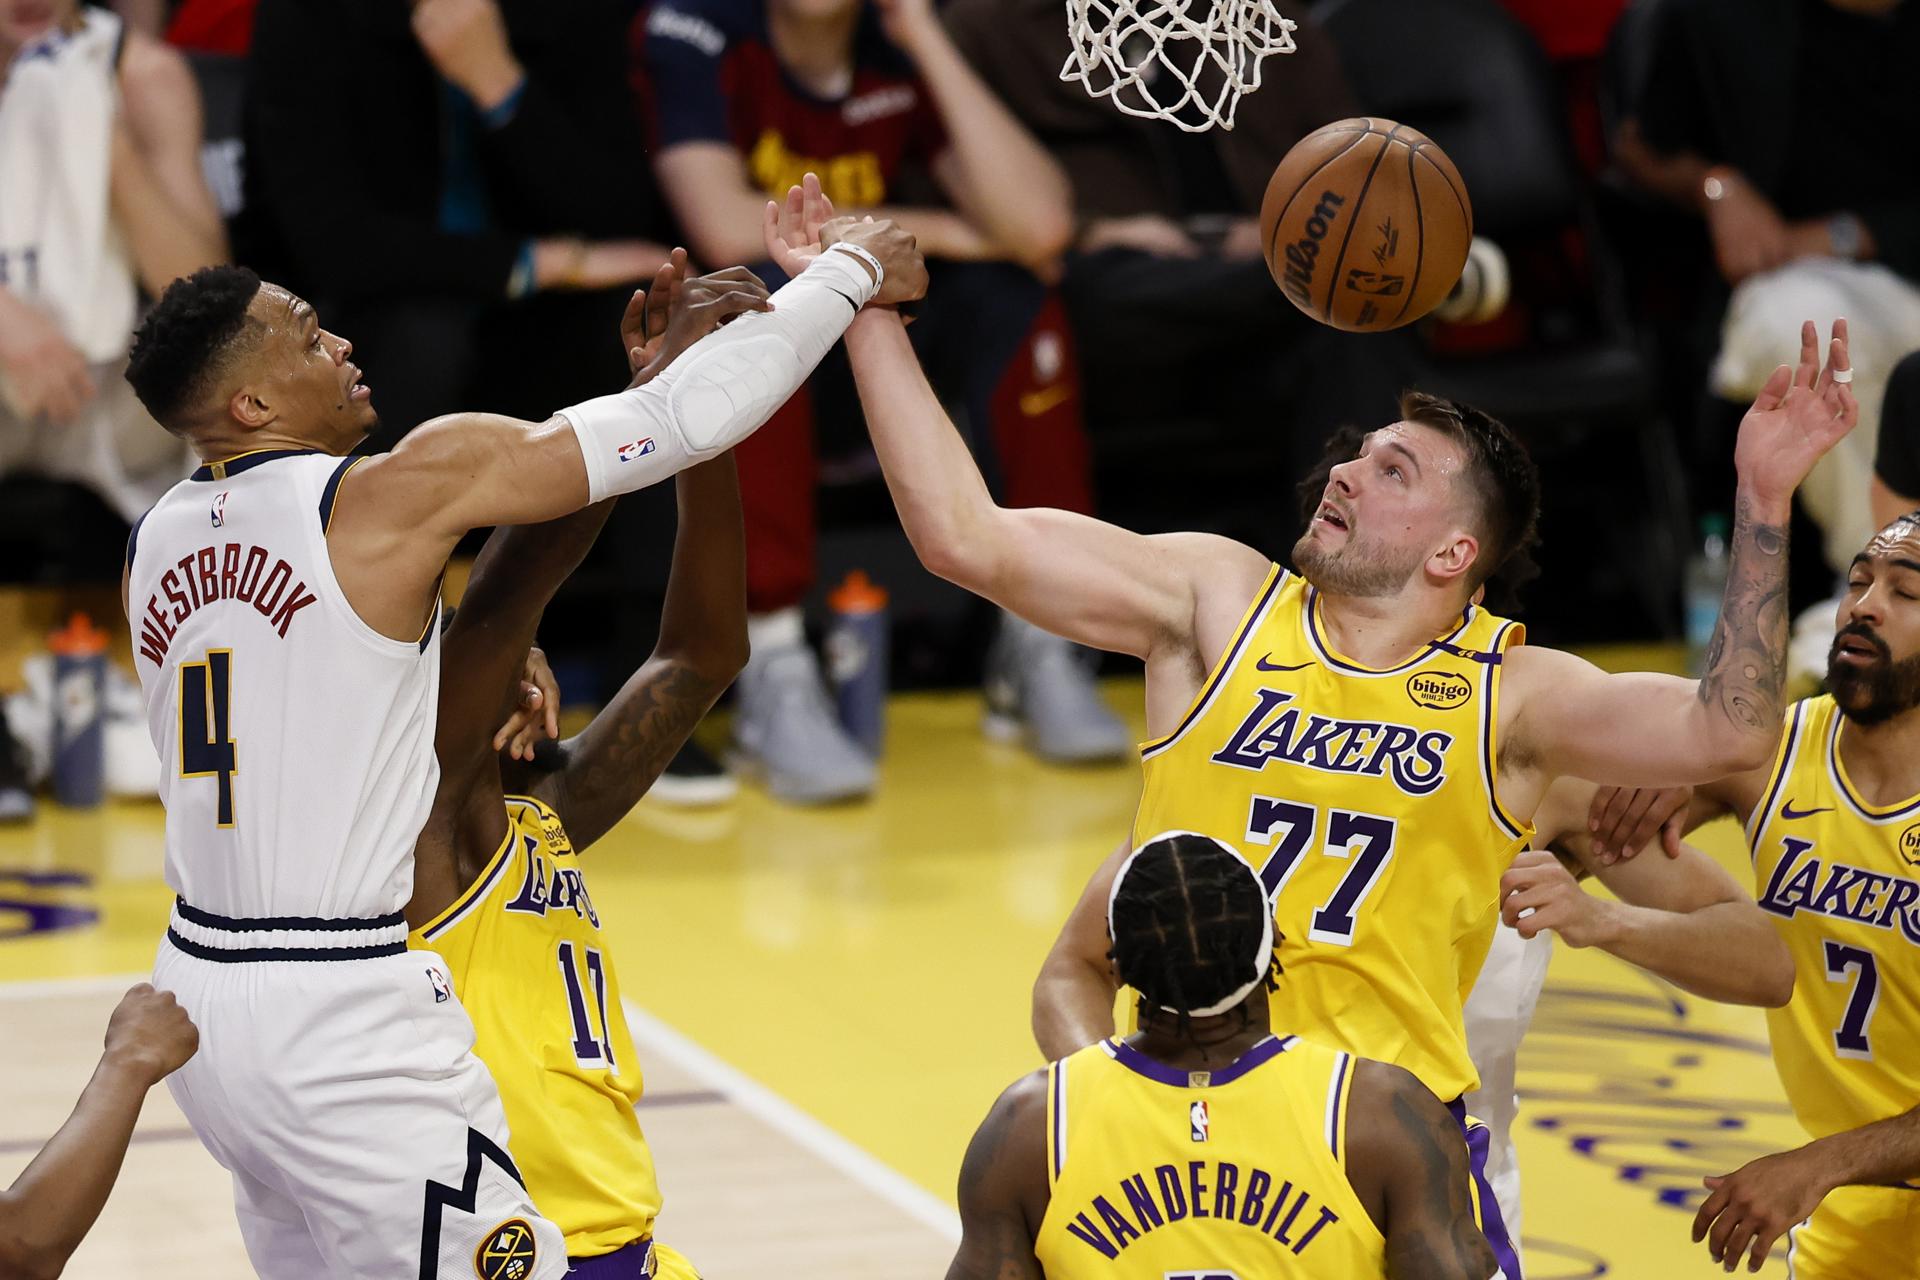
[680, 310]
[1538, 893]
[150, 1034]
[536, 714]
[1750, 1208]
[792, 228]
[1624, 820]
[1799, 414]
[895, 247]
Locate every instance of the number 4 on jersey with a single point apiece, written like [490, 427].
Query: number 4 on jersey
[206, 727]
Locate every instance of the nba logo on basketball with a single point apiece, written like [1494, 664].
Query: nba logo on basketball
[638, 449]
[220, 509]
[1201, 1121]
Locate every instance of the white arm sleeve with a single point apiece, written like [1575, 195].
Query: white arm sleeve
[726, 385]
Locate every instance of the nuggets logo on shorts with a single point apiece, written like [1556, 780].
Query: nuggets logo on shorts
[507, 1253]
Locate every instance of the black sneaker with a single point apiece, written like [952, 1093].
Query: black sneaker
[16, 793]
[694, 779]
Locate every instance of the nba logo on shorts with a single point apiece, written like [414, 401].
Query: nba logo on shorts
[220, 509]
[507, 1253]
[638, 449]
[1201, 1121]
[441, 991]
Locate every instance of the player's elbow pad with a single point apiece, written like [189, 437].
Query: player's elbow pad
[725, 386]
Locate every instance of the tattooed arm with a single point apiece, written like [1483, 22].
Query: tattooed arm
[702, 646]
[1561, 715]
[1408, 1160]
[1003, 1187]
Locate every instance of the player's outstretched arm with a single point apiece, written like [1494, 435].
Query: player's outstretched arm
[1003, 1187]
[1683, 918]
[1569, 717]
[1750, 1208]
[1073, 996]
[399, 514]
[1078, 577]
[702, 646]
[50, 1207]
[1408, 1161]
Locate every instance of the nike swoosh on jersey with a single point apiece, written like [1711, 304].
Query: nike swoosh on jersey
[1035, 403]
[1263, 665]
[1788, 812]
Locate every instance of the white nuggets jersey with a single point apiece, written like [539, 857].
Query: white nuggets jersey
[295, 742]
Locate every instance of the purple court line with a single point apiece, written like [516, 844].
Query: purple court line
[648, 1102]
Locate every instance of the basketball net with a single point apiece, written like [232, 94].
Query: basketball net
[1187, 61]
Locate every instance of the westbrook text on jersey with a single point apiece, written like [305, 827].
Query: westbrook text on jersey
[1842, 892]
[1202, 1189]
[224, 572]
[1272, 730]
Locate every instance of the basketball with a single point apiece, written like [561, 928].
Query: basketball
[1366, 225]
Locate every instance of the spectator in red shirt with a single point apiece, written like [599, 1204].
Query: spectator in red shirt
[744, 96]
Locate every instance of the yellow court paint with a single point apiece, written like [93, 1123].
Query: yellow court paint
[872, 966]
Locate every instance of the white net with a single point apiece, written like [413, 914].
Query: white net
[1187, 61]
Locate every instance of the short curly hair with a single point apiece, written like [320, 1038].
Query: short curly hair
[187, 340]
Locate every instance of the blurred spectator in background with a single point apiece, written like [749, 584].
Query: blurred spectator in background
[1176, 313]
[742, 98]
[454, 184]
[212, 26]
[1896, 457]
[1783, 125]
[101, 198]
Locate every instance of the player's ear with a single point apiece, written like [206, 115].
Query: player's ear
[1455, 557]
[247, 407]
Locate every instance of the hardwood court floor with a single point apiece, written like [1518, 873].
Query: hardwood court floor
[832, 999]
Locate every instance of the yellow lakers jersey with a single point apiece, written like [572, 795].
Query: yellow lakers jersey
[529, 963]
[1236, 1174]
[1365, 799]
[1842, 879]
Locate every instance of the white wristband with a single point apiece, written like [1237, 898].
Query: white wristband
[860, 252]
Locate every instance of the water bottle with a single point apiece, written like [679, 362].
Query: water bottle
[1706, 582]
[857, 659]
[79, 713]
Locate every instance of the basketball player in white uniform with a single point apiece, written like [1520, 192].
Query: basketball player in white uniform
[283, 604]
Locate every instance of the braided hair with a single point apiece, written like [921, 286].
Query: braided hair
[1187, 919]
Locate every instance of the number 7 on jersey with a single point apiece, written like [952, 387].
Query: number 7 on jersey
[206, 727]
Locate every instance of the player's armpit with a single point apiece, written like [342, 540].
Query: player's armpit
[1073, 994]
[398, 515]
[1408, 1161]
[1560, 715]
[1003, 1187]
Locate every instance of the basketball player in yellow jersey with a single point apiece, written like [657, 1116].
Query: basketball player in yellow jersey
[1833, 824]
[1360, 733]
[500, 897]
[1206, 1146]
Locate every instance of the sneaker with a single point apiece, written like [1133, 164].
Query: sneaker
[785, 732]
[693, 779]
[16, 792]
[1041, 691]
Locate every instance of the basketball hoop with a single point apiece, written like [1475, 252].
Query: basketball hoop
[1187, 61]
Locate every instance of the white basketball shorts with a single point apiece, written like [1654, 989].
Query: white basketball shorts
[336, 1082]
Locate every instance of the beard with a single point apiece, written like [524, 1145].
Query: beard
[1357, 569]
[1874, 694]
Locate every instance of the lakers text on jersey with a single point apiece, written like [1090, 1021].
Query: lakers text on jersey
[1238, 1173]
[1841, 878]
[1365, 798]
[528, 960]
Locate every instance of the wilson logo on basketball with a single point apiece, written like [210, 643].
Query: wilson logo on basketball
[508, 1252]
[1442, 692]
[1304, 252]
[1910, 844]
